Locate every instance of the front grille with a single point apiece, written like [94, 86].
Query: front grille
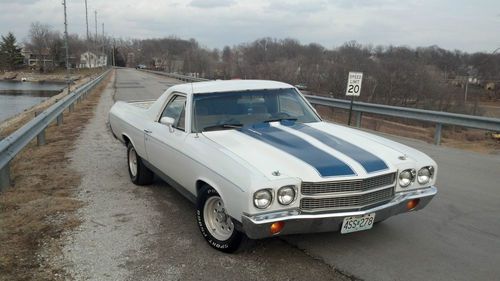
[347, 202]
[312, 188]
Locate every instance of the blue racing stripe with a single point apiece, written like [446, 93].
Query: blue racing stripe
[369, 161]
[326, 164]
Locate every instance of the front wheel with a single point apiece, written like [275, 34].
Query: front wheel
[216, 226]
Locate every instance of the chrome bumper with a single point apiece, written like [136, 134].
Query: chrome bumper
[258, 226]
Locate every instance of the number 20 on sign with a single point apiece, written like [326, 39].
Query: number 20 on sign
[354, 84]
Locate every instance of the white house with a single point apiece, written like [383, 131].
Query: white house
[91, 60]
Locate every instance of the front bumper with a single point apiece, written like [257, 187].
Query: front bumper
[258, 226]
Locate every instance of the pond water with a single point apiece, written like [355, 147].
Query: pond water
[15, 97]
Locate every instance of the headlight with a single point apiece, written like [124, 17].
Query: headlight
[286, 195]
[406, 177]
[262, 198]
[424, 175]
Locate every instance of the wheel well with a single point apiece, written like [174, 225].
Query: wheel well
[126, 140]
[199, 185]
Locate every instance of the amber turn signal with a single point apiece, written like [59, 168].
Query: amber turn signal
[276, 227]
[412, 204]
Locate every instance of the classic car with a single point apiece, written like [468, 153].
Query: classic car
[258, 161]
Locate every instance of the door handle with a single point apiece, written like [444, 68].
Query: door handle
[147, 131]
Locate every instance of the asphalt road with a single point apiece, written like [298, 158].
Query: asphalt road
[457, 237]
[132, 85]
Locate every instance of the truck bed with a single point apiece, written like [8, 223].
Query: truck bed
[142, 104]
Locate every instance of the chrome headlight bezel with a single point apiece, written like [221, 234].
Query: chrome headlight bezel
[406, 177]
[261, 195]
[422, 178]
[286, 188]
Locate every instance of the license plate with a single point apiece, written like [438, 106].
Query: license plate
[357, 223]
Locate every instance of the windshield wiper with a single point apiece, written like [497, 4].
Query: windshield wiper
[222, 126]
[280, 119]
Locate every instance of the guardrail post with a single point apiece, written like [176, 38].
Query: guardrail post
[5, 177]
[71, 107]
[59, 119]
[40, 138]
[359, 115]
[437, 134]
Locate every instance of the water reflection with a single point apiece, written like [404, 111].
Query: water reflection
[15, 86]
[15, 97]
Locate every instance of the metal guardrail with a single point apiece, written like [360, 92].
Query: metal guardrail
[186, 78]
[439, 118]
[14, 143]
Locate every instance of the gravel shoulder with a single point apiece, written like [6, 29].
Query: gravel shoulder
[150, 233]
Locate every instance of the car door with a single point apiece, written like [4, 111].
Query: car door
[164, 144]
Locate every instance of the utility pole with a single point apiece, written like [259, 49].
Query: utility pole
[88, 36]
[95, 13]
[103, 51]
[114, 46]
[466, 89]
[66, 45]
[87, 20]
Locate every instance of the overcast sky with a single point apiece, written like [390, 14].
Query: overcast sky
[452, 24]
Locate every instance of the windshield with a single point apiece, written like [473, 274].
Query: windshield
[235, 109]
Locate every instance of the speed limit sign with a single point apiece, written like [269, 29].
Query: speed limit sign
[354, 84]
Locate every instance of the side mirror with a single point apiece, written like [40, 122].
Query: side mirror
[169, 121]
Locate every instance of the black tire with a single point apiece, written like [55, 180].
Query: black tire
[143, 175]
[229, 245]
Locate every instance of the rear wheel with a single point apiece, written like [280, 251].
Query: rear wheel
[139, 174]
[216, 226]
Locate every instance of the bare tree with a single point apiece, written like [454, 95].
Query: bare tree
[39, 35]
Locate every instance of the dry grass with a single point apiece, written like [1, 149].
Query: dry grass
[40, 206]
[463, 138]
[57, 75]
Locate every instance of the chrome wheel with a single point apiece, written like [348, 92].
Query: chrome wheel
[132, 162]
[218, 222]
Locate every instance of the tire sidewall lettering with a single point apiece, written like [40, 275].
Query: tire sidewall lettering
[212, 241]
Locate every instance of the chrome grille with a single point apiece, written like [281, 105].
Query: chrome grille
[311, 188]
[347, 202]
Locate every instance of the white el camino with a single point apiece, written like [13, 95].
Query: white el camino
[258, 160]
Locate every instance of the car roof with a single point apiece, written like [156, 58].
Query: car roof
[219, 86]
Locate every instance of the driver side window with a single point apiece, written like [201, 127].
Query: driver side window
[176, 109]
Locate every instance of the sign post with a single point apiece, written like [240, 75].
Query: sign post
[353, 89]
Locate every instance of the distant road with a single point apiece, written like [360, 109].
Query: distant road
[132, 85]
[457, 237]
